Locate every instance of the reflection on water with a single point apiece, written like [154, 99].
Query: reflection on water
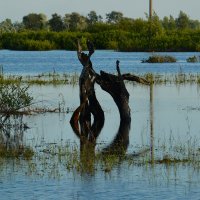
[151, 117]
[165, 116]
[175, 114]
[12, 131]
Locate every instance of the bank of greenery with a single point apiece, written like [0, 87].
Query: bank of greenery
[37, 32]
[119, 40]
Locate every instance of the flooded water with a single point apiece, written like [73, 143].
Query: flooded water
[173, 113]
[23, 62]
[176, 110]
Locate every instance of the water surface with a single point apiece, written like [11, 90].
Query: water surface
[175, 122]
[31, 62]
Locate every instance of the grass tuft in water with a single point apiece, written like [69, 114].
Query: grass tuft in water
[55, 79]
[41, 79]
[24, 153]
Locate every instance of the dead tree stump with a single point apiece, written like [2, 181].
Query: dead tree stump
[89, 105]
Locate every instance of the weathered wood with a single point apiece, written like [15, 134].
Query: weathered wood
[89, 105]
[81, 118]
[132, 77]
[115, 86]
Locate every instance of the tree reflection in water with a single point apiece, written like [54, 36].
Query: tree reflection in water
[89, 106]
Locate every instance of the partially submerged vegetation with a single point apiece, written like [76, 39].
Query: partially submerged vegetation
[13, 99]
[56, 79]
[177, 79]
[25, 153]
[193, 59]
[159, 59]
[55, 160]
[41, 79]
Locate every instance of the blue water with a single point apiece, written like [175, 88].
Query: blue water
[116, 186]
[176, 114]
[36, 62]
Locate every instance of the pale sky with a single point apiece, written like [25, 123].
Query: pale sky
[16, 9]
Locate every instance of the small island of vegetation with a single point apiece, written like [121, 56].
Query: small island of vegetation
[193, 59]
[159, 59]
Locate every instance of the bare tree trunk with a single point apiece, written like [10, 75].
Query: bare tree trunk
[89, 105]
[81, 118]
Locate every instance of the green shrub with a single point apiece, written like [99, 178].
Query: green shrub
[159, 59]
[104, 37]
[13, 97]
[36, 45]
[193, 59]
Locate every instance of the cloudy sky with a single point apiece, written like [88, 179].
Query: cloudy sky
[16, 9]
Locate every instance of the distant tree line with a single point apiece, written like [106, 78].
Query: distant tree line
[116, 32]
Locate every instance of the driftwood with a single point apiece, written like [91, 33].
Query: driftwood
[81, 118]
[89, 105]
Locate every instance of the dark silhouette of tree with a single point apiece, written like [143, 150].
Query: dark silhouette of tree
[77, 22]
[19, 26]
[169, 23]
[172, 23]
[35, 21]
[194, 24]
[66, 21]
[182, 21]
[114, 17]
[56, 23]
[93, 18]
[7, 26]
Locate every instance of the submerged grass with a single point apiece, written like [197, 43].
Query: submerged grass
[54, 161]
[41, 79]
[56, 79]
[69, 158]
[178, 79]
[16, 153]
